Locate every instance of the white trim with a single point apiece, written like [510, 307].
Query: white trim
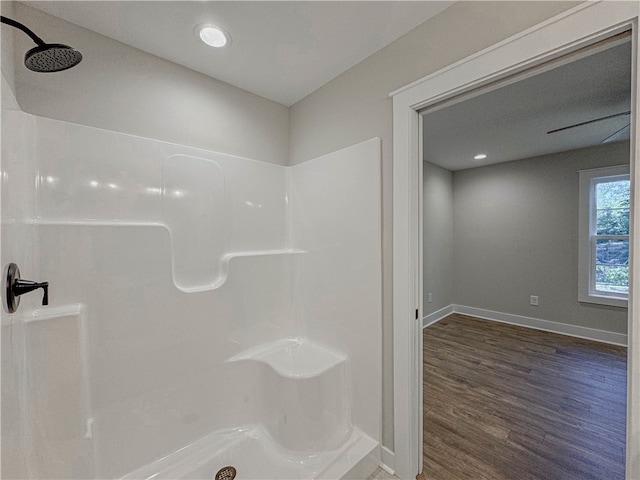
[528, 322]
[418, 339]
[437, 316]
[633, 329]
[545, 325]
[388, 460]
[566, 33]
[407, 344]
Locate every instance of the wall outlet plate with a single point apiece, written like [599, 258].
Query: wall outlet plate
[533, 300]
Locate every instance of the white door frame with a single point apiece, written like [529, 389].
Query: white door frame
[583, 25]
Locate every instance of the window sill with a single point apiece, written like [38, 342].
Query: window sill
[604, 300]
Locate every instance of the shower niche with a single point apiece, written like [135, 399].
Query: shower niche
[223, 311]
[198, 213]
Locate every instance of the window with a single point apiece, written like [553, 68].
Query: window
[603, 252]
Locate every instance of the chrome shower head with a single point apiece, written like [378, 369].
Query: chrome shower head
[46, 57]
[51, 57]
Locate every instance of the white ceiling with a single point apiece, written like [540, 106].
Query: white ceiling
[511, 123]
[280, 50]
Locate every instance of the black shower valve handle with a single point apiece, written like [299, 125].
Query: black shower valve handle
[15, 286]
[25, 286]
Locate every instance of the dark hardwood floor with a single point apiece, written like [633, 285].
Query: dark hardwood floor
[510, 403]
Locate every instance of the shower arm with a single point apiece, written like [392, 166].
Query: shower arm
[25, 29]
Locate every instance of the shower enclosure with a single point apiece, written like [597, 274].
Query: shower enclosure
[204, 310]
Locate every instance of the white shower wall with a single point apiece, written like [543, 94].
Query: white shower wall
[17, 244]
[336, 218]
[164, 262]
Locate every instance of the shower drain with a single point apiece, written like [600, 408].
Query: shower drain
[226, 473]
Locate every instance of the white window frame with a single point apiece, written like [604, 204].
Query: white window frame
[587, 235]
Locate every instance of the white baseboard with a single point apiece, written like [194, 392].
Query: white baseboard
[388, 460]
[546, 325]
[437, 316]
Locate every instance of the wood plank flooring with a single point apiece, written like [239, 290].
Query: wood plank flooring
[503, 402]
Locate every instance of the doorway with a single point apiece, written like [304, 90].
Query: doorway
[501, 241]
[584, 25]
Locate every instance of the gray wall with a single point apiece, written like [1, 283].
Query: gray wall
[124, 89]
[355, 106]
[516, 234]
[437, 248]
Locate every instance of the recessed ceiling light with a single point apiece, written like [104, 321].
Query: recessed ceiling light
[212, 35]
[480, 156]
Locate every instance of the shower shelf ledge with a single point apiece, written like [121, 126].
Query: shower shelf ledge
[259, 253]
[94, 223]
[294, 358]
[224, 268]
[181, 276]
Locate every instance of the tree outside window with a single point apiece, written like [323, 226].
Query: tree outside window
[612, 200]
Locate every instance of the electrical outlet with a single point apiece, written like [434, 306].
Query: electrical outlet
[533, 300]
[430, 298]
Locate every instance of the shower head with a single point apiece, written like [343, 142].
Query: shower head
[51, 57]
[46, 57]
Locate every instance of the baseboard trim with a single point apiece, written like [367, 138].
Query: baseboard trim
[545, 325]
[437, 316]
[388, 460]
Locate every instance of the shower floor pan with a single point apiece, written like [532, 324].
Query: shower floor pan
[254, 455]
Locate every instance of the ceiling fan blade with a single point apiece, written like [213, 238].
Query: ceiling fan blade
[614, 136]
[589, 121]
